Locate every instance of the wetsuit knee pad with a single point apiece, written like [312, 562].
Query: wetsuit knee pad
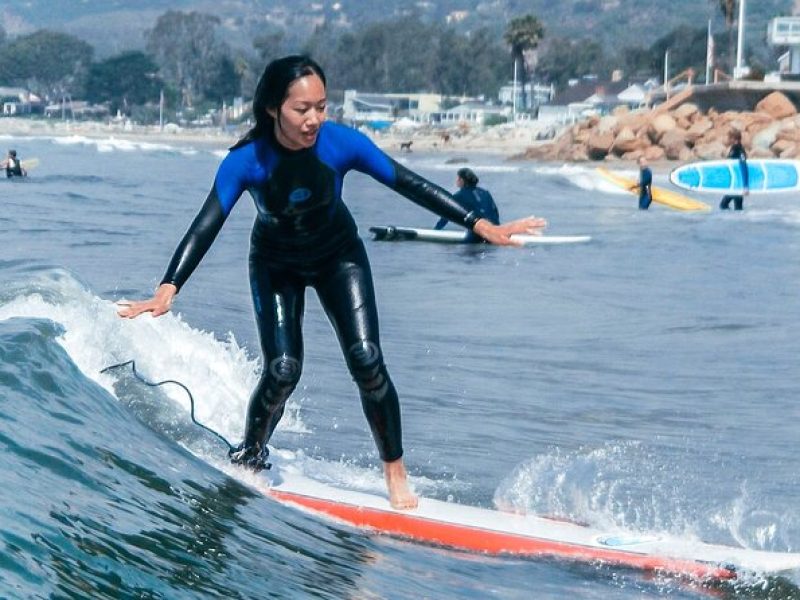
[283, 374]
[365, 361]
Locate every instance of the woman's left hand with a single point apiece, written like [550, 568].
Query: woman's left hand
[501, 234]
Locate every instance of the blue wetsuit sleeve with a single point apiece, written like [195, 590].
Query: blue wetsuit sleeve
[196, 242]
[441, 223]
[371, 160]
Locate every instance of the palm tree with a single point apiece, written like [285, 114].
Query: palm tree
[523, 34]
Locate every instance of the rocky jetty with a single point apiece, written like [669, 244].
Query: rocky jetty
[683, 133]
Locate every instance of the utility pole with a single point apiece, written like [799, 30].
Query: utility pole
[514, 95]
[740, 70]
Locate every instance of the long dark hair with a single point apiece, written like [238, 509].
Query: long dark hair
[272, 89]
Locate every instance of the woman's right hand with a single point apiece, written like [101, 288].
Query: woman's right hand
[159, 304]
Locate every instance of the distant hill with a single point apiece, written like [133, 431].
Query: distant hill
[115, 25]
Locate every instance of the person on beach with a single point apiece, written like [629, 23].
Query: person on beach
[292, 162]
[737, 152]
[473, 199]
[645, 186]
[13, 165]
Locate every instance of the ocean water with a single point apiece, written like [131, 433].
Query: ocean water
[646, 381]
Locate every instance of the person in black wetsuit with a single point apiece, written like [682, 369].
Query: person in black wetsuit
[292, 162]
[13, 165]
[473, 199]
[645, 186]
[737, 152]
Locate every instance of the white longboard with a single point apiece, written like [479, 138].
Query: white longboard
[390, 233]
[500, 533]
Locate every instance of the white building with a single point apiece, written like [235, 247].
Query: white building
[381, 110]
[17, 101]
[473, 112]
[536, 94]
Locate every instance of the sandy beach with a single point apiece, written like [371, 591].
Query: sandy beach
[502, 139]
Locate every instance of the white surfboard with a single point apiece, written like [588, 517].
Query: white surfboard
[391, 233]
[765, 175]
[493, 532]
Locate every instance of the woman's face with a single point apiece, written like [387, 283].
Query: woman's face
[302, 113]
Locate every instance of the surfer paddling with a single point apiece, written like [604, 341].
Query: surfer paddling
[292, 162]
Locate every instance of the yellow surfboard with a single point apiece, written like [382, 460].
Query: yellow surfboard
[661, 196]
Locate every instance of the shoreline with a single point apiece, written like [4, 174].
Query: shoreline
[506, 141]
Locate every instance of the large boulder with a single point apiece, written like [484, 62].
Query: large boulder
[777, 105]
[599, 144]
[782, 146]
[698, 129]
[607, 123]
[673, 141]
[762, 140]
[633, 155]
[660, 125]
[626, 141]
[710, 150]
[654, 153]
[790, 134]
[686, 111]
[635, 121]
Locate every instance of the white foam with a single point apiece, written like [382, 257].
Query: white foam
[585, 178]
[219, 372]
[112, 144]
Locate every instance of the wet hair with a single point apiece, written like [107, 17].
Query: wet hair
[468, 177]
[736, 135]
[272, 89]
[12, 153]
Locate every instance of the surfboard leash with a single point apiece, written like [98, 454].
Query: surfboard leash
[132, 363]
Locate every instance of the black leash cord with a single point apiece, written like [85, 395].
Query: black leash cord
[132, 363]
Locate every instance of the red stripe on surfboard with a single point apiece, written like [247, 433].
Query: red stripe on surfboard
[463, 537]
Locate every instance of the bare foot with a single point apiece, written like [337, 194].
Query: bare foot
[400, 495]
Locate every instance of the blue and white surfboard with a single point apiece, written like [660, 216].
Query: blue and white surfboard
[766, 175]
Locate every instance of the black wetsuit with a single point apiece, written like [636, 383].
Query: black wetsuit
[13, 167]
[476, 200]
[645, 188]
[303, 236]
[737, 152]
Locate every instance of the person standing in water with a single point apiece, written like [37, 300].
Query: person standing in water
[645, 186]
[292, 162]
[473, 199]
[13, 165]
[737, 152]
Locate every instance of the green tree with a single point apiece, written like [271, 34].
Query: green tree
[687, 49]
[184, 45]
[523, 34]
[729, 9]
[224, 81]
[49, 63]
[564, 59]
[387, 56]
[471, 64]
[270, 46]
[124, 80]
